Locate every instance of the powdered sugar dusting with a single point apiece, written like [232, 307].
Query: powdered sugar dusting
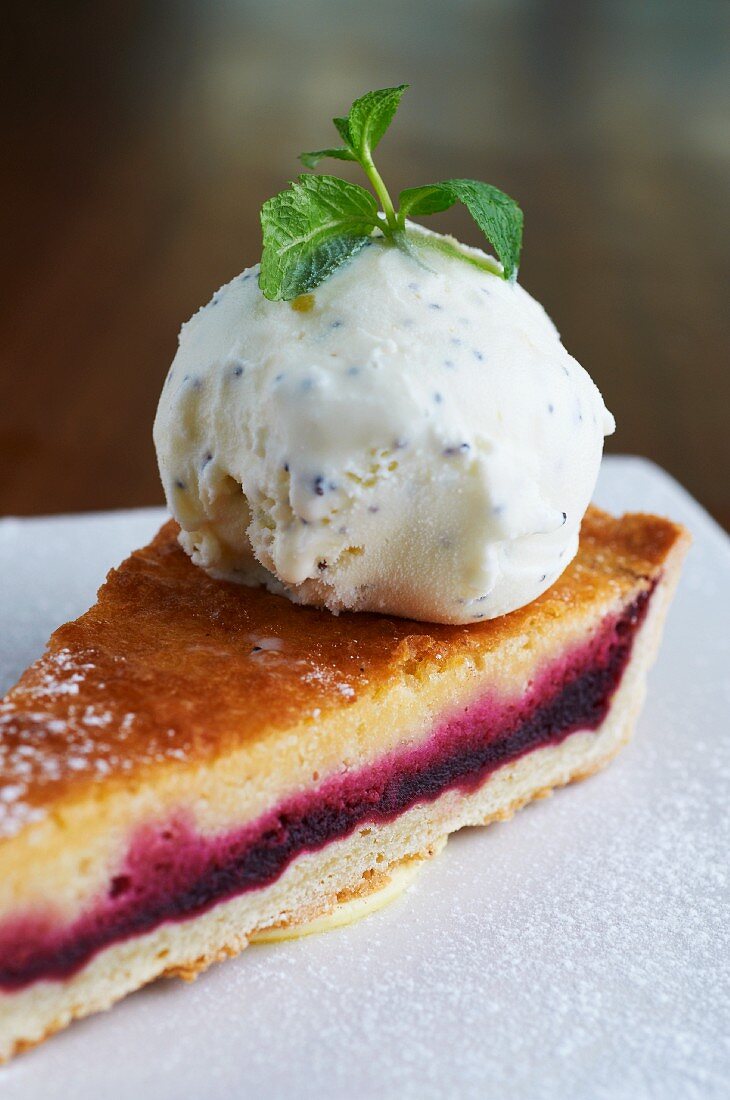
[328, 679]
[39, 746]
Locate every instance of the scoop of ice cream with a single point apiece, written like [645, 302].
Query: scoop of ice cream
[412, 438]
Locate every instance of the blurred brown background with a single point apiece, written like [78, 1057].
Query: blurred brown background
[140, 139]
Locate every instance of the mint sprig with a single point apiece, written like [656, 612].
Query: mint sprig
[321, 221]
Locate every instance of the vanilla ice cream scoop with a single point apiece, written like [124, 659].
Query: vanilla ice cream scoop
[412, 438]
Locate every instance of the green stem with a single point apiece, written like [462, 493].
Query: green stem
[391, 219]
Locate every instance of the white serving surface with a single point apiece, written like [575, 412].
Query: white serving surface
[580, 950]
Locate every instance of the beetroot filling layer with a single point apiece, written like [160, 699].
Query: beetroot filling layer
[172, 873]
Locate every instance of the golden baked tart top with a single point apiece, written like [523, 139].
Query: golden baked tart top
[172, 665]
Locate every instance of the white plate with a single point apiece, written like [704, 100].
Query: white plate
[577, 951]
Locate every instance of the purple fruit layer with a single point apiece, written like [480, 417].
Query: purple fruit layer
[172, 873]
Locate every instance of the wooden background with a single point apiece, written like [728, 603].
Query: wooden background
[140, 138]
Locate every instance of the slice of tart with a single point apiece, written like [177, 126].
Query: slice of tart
[192, 761]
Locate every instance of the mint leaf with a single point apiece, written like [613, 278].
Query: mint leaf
[343, 129]
[309, 231]
[311, 160]
[497, 215]
[369, 118]
[431, 198]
